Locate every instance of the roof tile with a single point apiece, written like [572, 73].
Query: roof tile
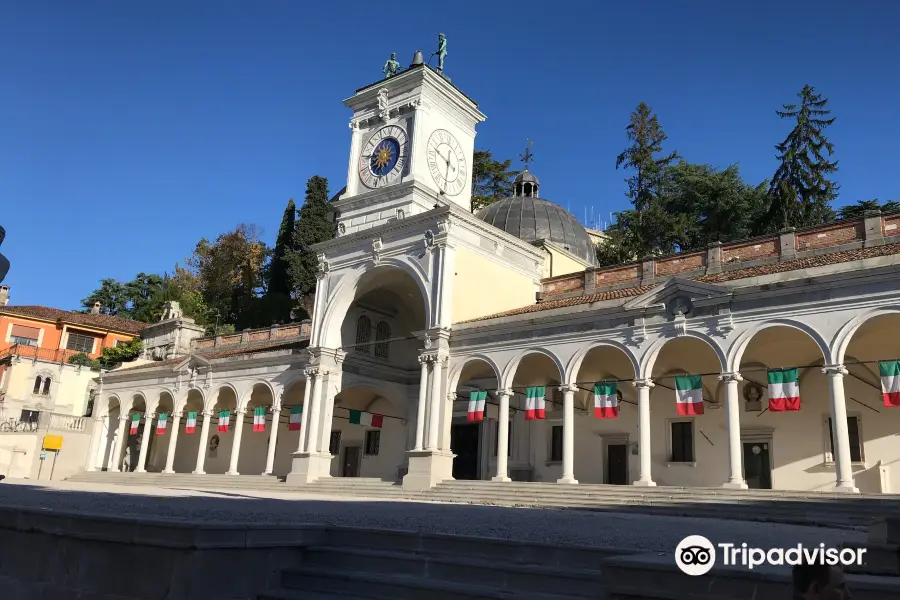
[77, 318]
[226, 353]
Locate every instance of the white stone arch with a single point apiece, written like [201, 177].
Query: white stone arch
[574, 365]
[845, 334]
[509, 373]
[155, 404]
[327, 332]
[209, 402]
[710, 394]
[457, 369]
[244, 399]
[182, 400]
[736, 351]
[128, 406]
[104, 408]
[648, 360]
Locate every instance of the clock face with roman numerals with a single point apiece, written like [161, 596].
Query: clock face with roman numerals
[447, 162]
[383, 158]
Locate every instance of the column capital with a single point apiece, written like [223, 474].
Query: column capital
[568, 387]
[310, 372]
[729, 377]
[148, 416]
[276, 408]
[240, 411]
[643, 383]
[834, 370]
[505, 392]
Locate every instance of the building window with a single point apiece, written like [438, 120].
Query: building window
[373, 443]
[26, 336]
[23, 341]
[363, 334]
[856, 454]
[382, 334]
[80, 343]
[46, 390]
[38, 381]
[509, 438]
[682, 441]
[556, 443]
[42, 385]
[334, 444]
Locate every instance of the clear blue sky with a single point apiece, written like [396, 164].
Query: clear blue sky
[130, 130]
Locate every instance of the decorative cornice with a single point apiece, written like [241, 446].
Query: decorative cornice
[731, 377]
[569, 387]
[834, 370]
[643, 383]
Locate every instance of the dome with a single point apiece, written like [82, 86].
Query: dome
[527, 176]
[534, 219]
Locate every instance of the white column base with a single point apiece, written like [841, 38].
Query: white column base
[198, 472]
[140, 470]
[307, 467]
[847, 489]
[168, 471]
[232, 473]
[501, 478]
[567, 480]
[642, 483]
[731, 485]
[427, 469]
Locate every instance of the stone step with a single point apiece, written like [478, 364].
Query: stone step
[391, 586]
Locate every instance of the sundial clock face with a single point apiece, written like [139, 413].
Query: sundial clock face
[447, 162]
[383, 157]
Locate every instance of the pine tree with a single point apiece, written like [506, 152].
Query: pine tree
[491, 179]
[647, 137]
[277, 301]
[801, 193]
[314, 225]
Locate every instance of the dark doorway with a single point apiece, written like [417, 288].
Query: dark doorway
[617, 464]
[350, 468]
[757, 466]
[464, 444]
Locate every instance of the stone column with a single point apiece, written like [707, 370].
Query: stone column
[436, 402]
[270, 456]
[423, 397]
[173, 442]
[841, 436]
[145, 443]
[115, 457]
[204, 435]
[568, 466]
[316, 401]
[304, 418]
[503, 436]
[94, 450]
[236, 442]
[643, 386]
[733, 417]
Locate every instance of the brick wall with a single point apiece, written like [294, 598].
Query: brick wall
[835, 235]
[684, 263]
[571, 283]
[758, 250]
[618, 275]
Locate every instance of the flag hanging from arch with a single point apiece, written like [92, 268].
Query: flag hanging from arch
[135, 423]
[890, 381]
[535, 402]
[606, 400]
[161, 421]
[477, 401]
[190, 426]
[224, 420]
[259, 418]
[784, 389]
[689, 395]
[296, 418]
[358, 417]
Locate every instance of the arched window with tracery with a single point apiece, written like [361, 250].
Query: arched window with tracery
[46, 390]
[363, 333]
[382, 334]
[37, 385]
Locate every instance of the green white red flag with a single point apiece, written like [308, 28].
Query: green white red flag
[689, 395]
[890, 381]
[784, 389]
[135, 423]
[296, 418]
[358, 417]
[190, 426]
[606, 400]
[161, 421]
[259, 418]
[535, 402]
[224, 420]
[477, 401]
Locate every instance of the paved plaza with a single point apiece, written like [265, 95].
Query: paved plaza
[556, 526]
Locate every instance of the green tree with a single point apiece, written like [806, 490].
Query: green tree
[855, 212]
[645, 157]
[110, 294]
[315, 224]
[491, 179]
[277, 300]
[129, 300]
[801, 192]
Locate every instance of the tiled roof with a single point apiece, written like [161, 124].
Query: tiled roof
[783, 267]
[225, 353]
[77, 318]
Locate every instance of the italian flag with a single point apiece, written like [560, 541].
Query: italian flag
[224, 419]
[296, 418]
[476, 405]
[890, 382]
[535, 402]
[161, 421]
[259, 418]
[689, 395]
[190, 425]
[358, 417]
[135, 421]
[606, 401]
[784, 390]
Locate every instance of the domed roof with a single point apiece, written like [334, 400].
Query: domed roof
[527, 176]
[534, 219]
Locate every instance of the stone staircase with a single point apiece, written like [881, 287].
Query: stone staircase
[802, 508]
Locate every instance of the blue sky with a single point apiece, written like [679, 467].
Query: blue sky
[132, 129]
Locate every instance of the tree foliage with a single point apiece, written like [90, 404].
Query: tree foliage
[315, 224]
[491, 179]
[645, 157]
[801, 191]
[129, 300]
[110, 357]
[277, 300]
[857, 211]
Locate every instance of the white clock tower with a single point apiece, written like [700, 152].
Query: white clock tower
[412, 148]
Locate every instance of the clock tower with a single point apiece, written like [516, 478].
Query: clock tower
[412, 145]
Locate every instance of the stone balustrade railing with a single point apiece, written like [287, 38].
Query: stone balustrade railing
[251, 337]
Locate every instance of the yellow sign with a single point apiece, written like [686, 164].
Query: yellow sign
[53, 442]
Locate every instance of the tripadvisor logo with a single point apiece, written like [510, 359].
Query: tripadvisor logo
[695, 555]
